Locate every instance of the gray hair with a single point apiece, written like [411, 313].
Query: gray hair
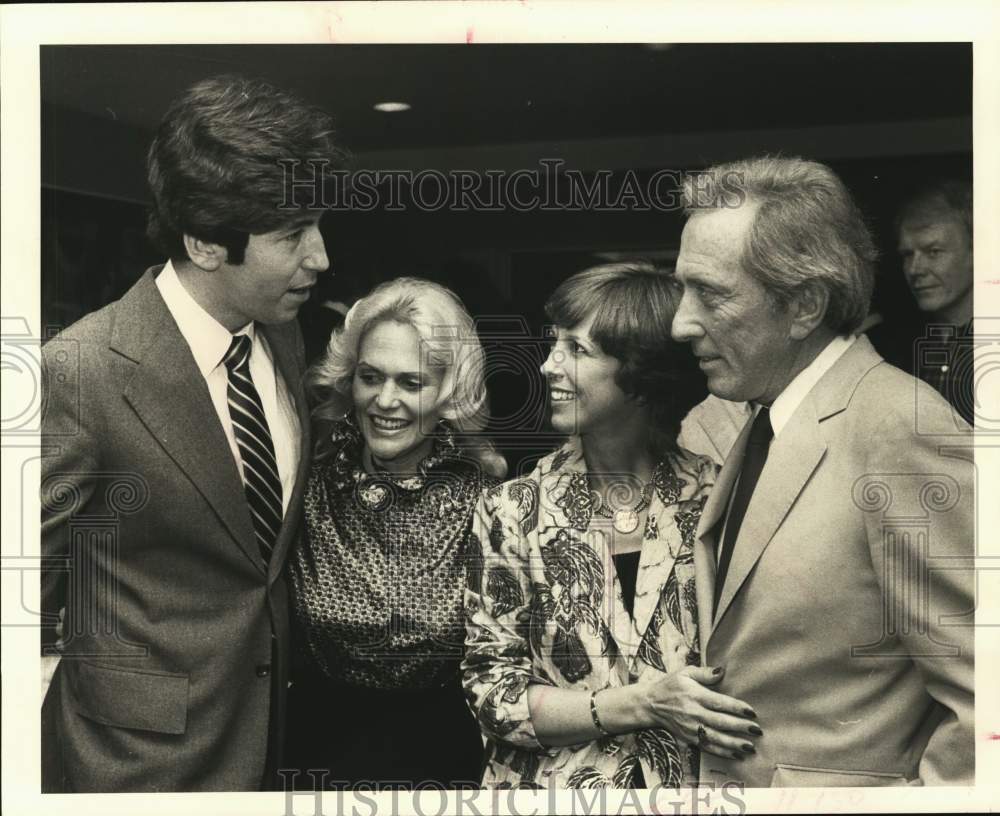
[807, 229]
[941, 197]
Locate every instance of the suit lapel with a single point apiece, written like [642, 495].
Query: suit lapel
[171, 398]
[708, 530]
[658, 559]
[282, 341]
[655, 563]
[792, 458]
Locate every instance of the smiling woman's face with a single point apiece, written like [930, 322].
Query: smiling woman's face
[395, 396]
[583, 394]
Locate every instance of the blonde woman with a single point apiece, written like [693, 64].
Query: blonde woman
[378, 577]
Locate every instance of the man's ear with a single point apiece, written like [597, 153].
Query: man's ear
[204, 254]
[807, 308]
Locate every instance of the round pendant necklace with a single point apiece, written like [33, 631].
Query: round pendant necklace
[626, 520]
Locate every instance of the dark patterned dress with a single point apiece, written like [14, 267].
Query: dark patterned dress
[546, 606]
[377, 595]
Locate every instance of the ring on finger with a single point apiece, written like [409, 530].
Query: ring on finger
[702, 735]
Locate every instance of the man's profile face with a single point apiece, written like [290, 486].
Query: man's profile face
[937, 263]
[739, 335]
[278, 272]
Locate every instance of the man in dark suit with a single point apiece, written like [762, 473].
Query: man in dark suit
[175, 440]
[833, 560]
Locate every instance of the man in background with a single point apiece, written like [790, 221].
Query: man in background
[176, 441]
[934, 231]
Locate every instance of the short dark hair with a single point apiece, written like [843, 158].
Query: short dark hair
[807, 229]
[939, 197]
[213, 167]
[633, 305]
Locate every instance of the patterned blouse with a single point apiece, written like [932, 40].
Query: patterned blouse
[545, 606]
[379, 574]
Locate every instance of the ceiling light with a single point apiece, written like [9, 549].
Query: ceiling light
[392, 107]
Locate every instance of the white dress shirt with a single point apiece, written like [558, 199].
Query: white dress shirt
[798, 389]
[209, 341]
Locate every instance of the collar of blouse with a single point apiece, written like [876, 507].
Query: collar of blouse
[347, 468]
[564, 477]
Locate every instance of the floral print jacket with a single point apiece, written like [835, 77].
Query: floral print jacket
[544, 606]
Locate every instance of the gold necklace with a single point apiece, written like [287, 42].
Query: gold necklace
[626, 520]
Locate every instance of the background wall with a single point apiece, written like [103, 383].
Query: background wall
[885, 116]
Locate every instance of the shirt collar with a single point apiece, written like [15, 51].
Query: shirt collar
[208, 339]
[797, 390]
[347, 465]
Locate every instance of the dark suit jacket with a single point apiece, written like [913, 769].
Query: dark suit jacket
[845, 618]
[176, 632]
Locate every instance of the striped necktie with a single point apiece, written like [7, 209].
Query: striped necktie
[253, 438]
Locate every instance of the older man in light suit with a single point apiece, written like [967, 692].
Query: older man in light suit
[833, 560]
[176, 445]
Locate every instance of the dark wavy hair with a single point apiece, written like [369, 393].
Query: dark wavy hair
[633, 305]
[214, 167]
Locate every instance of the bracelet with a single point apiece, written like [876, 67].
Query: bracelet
[593, 715]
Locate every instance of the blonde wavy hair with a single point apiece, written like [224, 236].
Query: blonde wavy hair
[448, 340]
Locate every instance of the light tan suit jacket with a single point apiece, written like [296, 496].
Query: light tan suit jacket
[846, 615]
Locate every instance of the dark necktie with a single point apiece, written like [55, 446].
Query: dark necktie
[253, 438]
[753, 463]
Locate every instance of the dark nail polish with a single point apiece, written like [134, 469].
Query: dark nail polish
[749, 712]
[753, 729]
[718, 670]
[737, 755]
[748, 748]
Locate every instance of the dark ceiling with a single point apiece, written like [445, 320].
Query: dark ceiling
[496, 94]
